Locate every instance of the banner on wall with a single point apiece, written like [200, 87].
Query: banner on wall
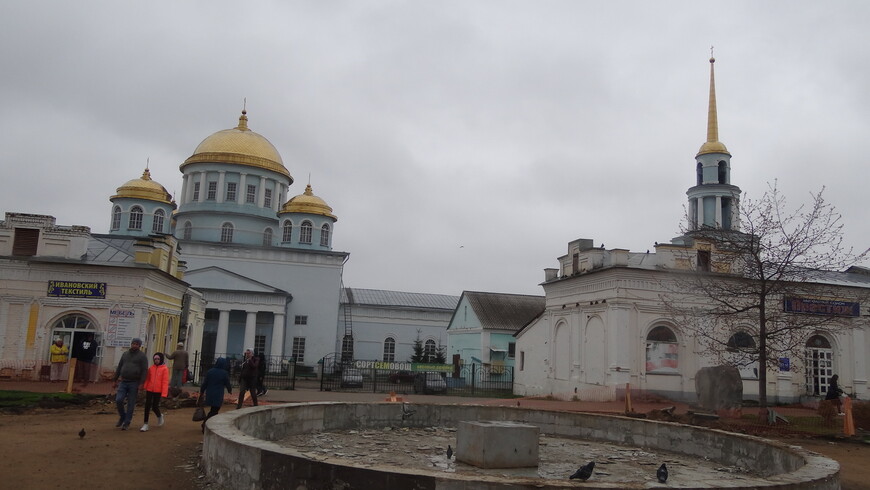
[121, 328]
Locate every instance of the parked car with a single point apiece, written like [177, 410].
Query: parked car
[401, 377]
[351, 378]
[429, 383]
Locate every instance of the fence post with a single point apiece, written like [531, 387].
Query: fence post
[473, 377]
[196, 370]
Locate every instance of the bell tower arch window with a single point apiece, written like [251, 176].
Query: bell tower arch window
[116, 218]
[287, 232]
[135, 222]
[157, 226]
[305, 232]
[324, 235]
[723, 172]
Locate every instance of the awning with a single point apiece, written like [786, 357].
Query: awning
[497, 350]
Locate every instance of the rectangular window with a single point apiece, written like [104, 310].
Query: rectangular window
[704, 260]
[259, 344]
[299, 349]
[251, 196]
[267, 200]
[25, 242]
[231, 191]
[196, 191]
[212, 191]
[301, 320]
[512, 349]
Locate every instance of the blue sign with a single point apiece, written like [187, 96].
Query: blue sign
[821, 307]
[784, 364]
[76, 289]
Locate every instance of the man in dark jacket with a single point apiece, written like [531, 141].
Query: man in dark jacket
[248, 377]
[131, 372]
[84, 353]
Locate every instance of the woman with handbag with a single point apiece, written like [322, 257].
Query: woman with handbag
[211, 393]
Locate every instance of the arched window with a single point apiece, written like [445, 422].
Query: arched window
[742, 354]
[324, 235]
[723, 172]
[116, 218]
[267, 237]
[188, 230]
[157, 227]
[429, 351]
[305, 232]
[227, 233]
[389, 349]
[700, 173]
[287, 233]
[73, 329]
[661, 351]
[135, 222]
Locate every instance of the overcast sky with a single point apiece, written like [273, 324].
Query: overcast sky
[462, 144]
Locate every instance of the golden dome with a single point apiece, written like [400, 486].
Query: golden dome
[713, 147]
[307, 202]
[240, 146]
[144, 188]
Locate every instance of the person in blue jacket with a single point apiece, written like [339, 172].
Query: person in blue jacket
[211, 393]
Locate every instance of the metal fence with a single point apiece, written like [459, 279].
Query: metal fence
[280, 372]
[367, 376]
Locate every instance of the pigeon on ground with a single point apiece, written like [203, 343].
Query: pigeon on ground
[449, 452]
[584, 472]
[662, 473]
[407, 412]
[82, 433]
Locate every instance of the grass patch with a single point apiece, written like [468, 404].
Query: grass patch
[11, 399]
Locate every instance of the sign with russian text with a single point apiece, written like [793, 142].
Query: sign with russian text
[821, 307]
[121, 328]
[76, 289]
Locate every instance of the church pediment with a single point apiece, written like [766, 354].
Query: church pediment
[216, 278]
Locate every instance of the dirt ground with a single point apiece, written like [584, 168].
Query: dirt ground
[42, 449]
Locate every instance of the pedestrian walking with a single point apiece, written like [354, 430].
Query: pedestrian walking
[131, 372]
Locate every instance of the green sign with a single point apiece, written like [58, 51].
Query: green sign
[76, 289]
[419, 367]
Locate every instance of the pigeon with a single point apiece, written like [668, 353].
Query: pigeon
[584, 472]
[662, 473]
[407, 412]
[449, 452]
[82, 433]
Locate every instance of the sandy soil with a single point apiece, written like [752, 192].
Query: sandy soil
[42, 449]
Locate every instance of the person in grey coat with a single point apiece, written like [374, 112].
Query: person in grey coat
[131, 372]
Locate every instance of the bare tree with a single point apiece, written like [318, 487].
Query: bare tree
[756, 295]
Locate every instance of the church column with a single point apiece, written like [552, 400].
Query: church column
[700, 213]
[243, 189]
[261, 192]
[278, 336]
[719, 212]
[276, 196]
[203, 186]
[250, 329]
[183, 198]
[220, 186]
[220, 346]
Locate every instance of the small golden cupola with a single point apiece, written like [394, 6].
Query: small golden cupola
[308, 203]
[144, 188]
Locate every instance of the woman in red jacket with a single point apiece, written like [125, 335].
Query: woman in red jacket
[156, 386]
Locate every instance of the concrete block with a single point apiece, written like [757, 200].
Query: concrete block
[497, 444]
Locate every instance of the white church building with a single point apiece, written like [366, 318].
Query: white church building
[605, 326]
